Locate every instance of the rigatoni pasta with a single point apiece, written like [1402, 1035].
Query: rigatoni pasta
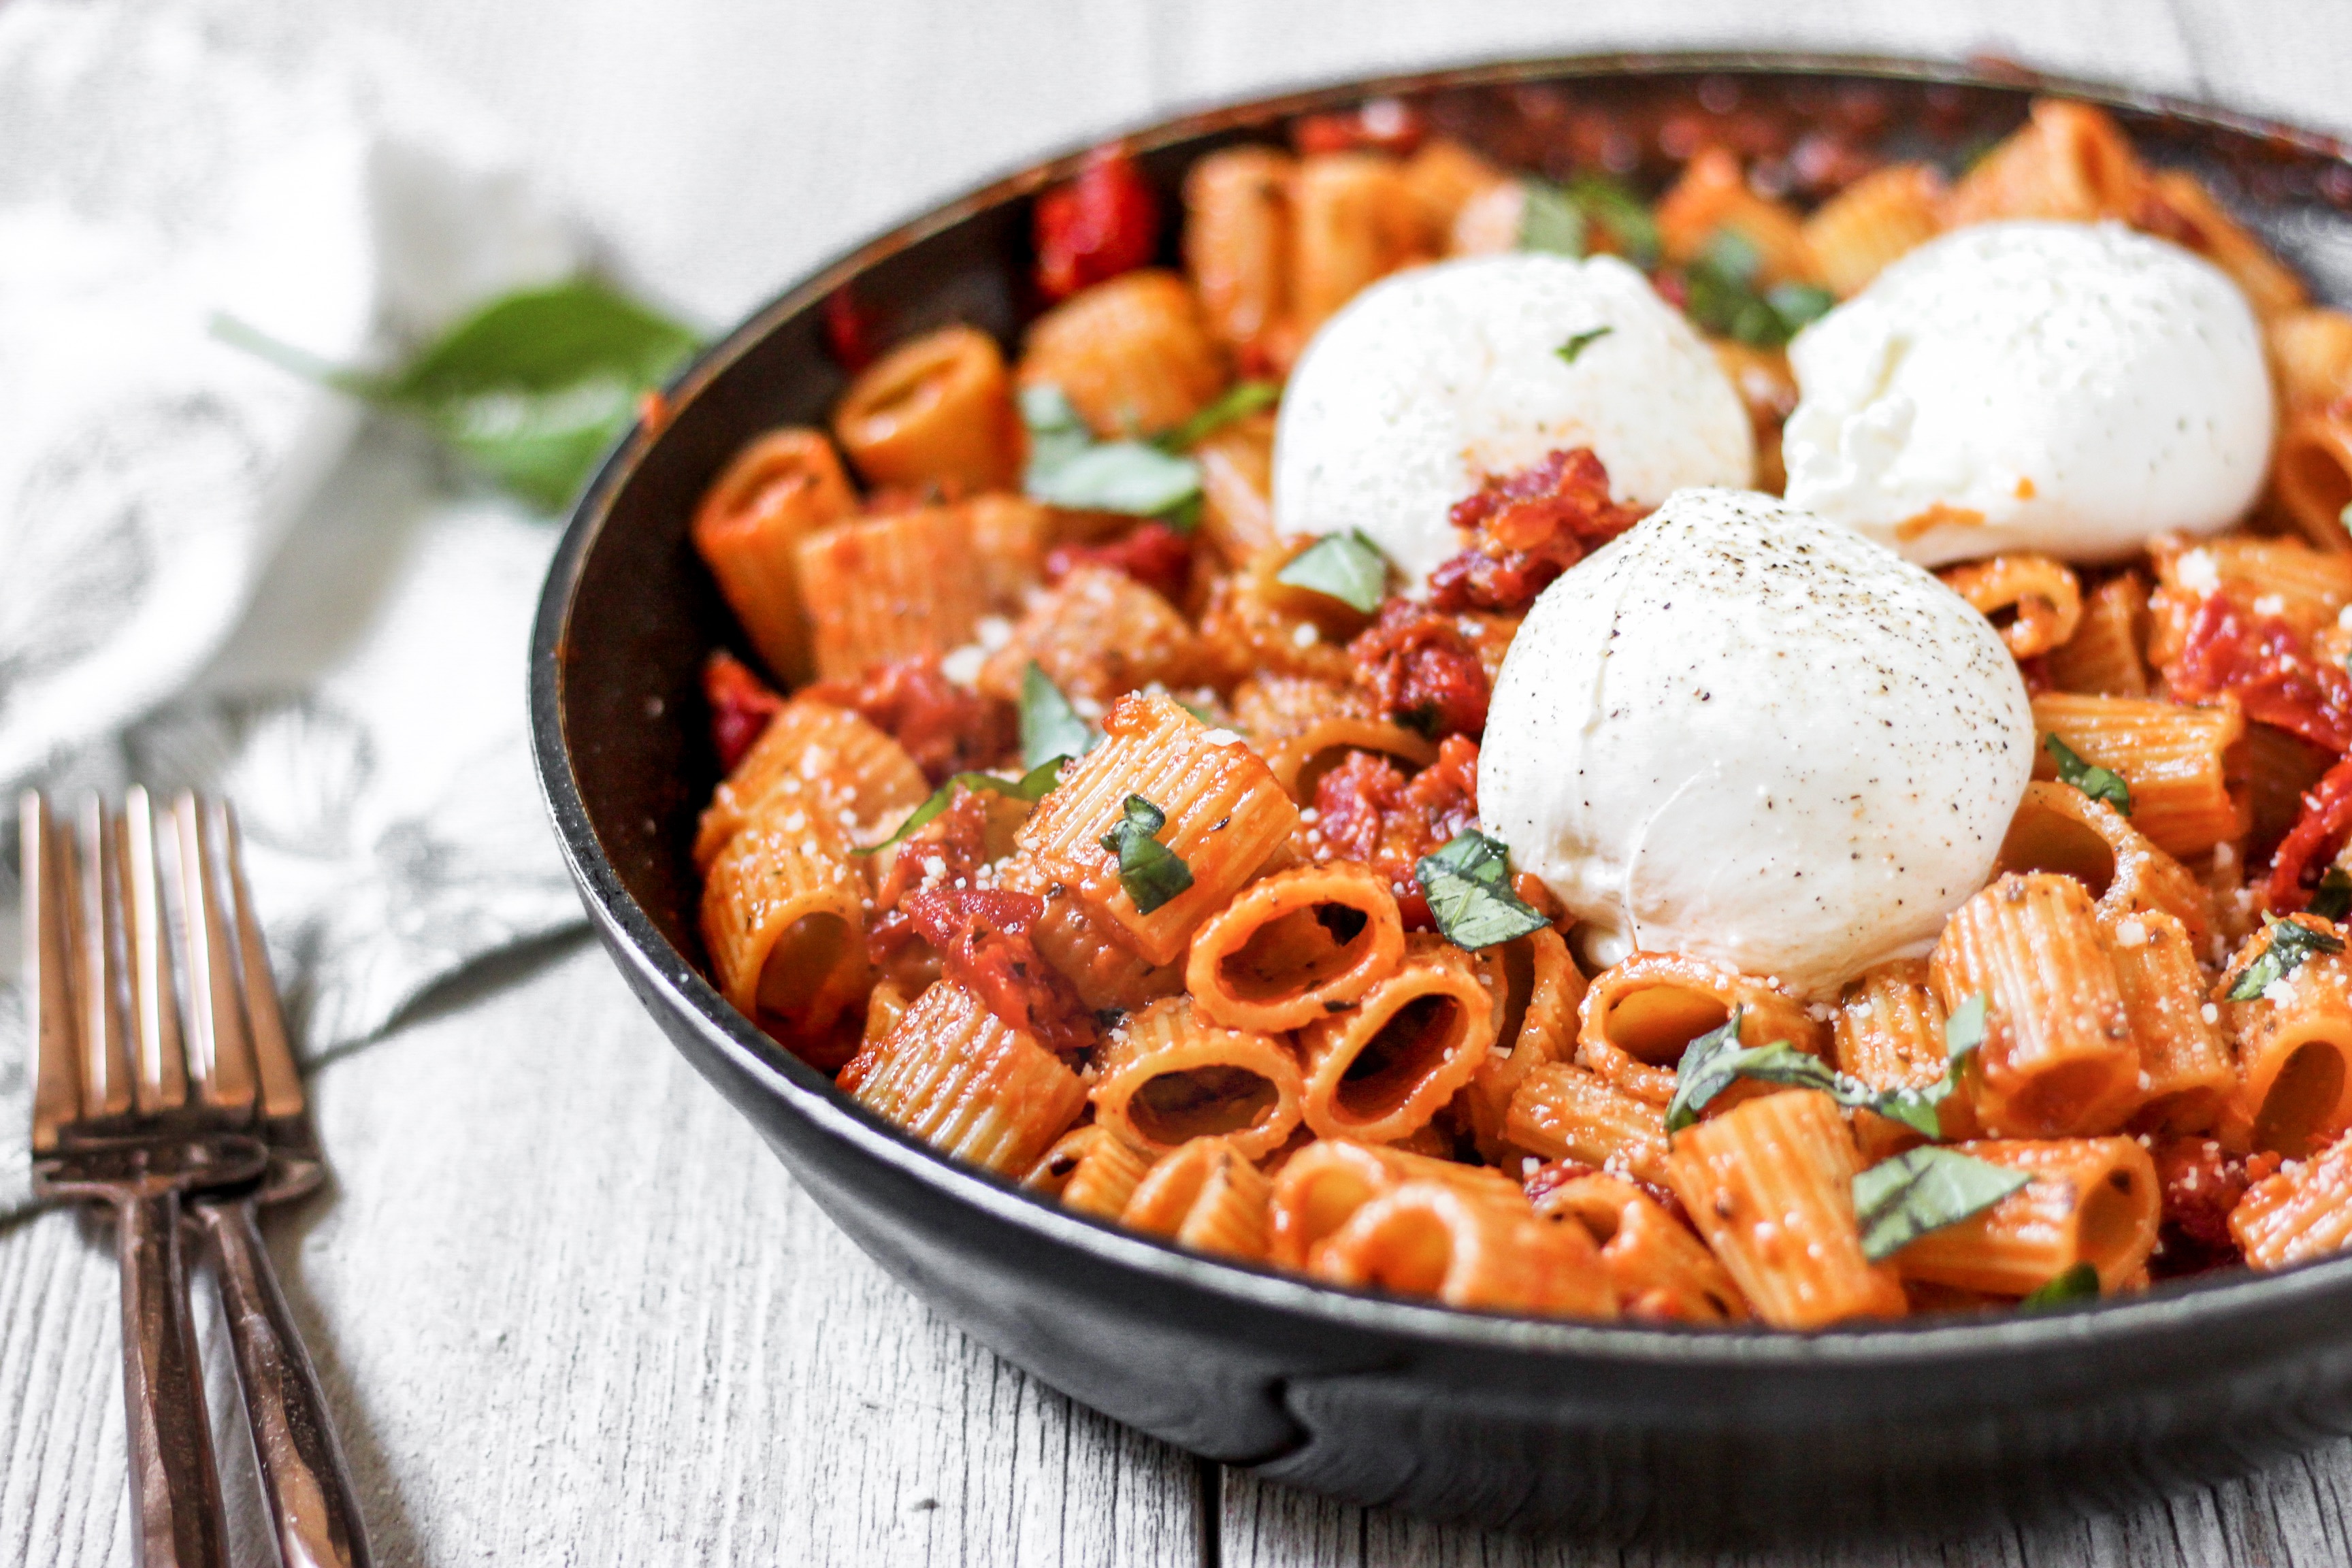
[1131, 846]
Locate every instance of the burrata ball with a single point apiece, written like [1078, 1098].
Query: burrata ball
[2066, 387]
[1741, 733]
[1430, 382]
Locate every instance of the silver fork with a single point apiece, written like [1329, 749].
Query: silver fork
[233, 1014]
[122, 1116]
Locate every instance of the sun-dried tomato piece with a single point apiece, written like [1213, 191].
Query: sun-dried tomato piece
[2201, 1182]
[2313, 842]
[1526, 529]
[2267, 665]
[848, 331]
[1423, 669]
[944, 727]
[982, 935]
[1104, 223]
[1154, 554]
[1368, 810]
[741, 704]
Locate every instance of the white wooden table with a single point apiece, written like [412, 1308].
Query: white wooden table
[568, 1308]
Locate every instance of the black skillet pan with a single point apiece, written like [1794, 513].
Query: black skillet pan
[1610, 1430]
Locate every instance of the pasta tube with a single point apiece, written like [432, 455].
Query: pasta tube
[1237, 487]
[1206, 1195]
[887, 587]
[2034, 602]
[1132, 354]
[2105, 657]
[2186, 1076]
[1169, 1075]
[1237, 243]
[1324, 1183]
[1381, 1069]
[1467, 1248]
[1537, 989]
[1639, 1016]
[2311, 356]
[2177, 760]
[2091, 1200]
[1852, 237]
[1090, 1168]
[2058, 1057]
[2298, 1213]
[1770, 1184]
[935, 414]
[1088, 948]
[2312, 473]
[1096, 634]
[783, 918]
[2058, 828]
[1302, 726]
[1712, 197]
[1561, 1111]
[2295, 1050]
[1658, 1271]
[2070, 160]
[1295, 946]
[1224, 813]
[1354, 220]
[828, 760]
[780, 488]
[1889, 1034]
[959, 1077]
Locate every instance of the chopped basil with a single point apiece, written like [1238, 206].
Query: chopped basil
[1900, 1200]
[1720, 295]
[2290, 943]
[1050, 727]
[1240, 401]
[1623, 215]
[1347, 566]
[2098, 783]
[1799, 304]
[1149, 871]
[2332, 901]
[1549, 220]
[1031, 786]
[1468, 884]
[1067, 467]
[533, 388]
[1579, 342]
[2080, 1283]
[1713, 1061]
[1209, 716]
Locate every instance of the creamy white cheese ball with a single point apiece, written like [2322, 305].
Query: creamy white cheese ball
[2071, 388]
[1429, 381]
[1739, 731]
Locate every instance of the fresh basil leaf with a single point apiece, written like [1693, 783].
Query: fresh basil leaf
[2080, 1283]
[1240, 401]
[1900, 1200]
[1549, 220]
[1149, 871]
[2290, 943]
[2332, 900]
[1209, 716]
[1798, 305]
[1069, 468]
[1050, 726]
[1347, 566]
[2098, 783]
[1468, 885]
[1732, 256]
[1623, 215]
[1716, 1060]
[533, 388]
[1031, 786]
[1579, 342]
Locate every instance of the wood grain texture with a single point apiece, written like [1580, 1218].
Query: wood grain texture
[615, 1333]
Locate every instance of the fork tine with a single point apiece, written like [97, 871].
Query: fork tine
[220, 1056]
[155, 1006]
[273, 1058]
[57, 1079]
[95, 912]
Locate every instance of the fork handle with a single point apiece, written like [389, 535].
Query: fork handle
[303, 1475]
[175, 1491]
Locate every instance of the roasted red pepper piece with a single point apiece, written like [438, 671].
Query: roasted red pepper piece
[1104, 223]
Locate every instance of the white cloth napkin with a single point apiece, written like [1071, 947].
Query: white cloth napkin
[204, 578]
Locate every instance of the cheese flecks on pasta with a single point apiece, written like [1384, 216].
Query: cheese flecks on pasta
[1429, 381]
[1741, 733]
[2066, 387]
